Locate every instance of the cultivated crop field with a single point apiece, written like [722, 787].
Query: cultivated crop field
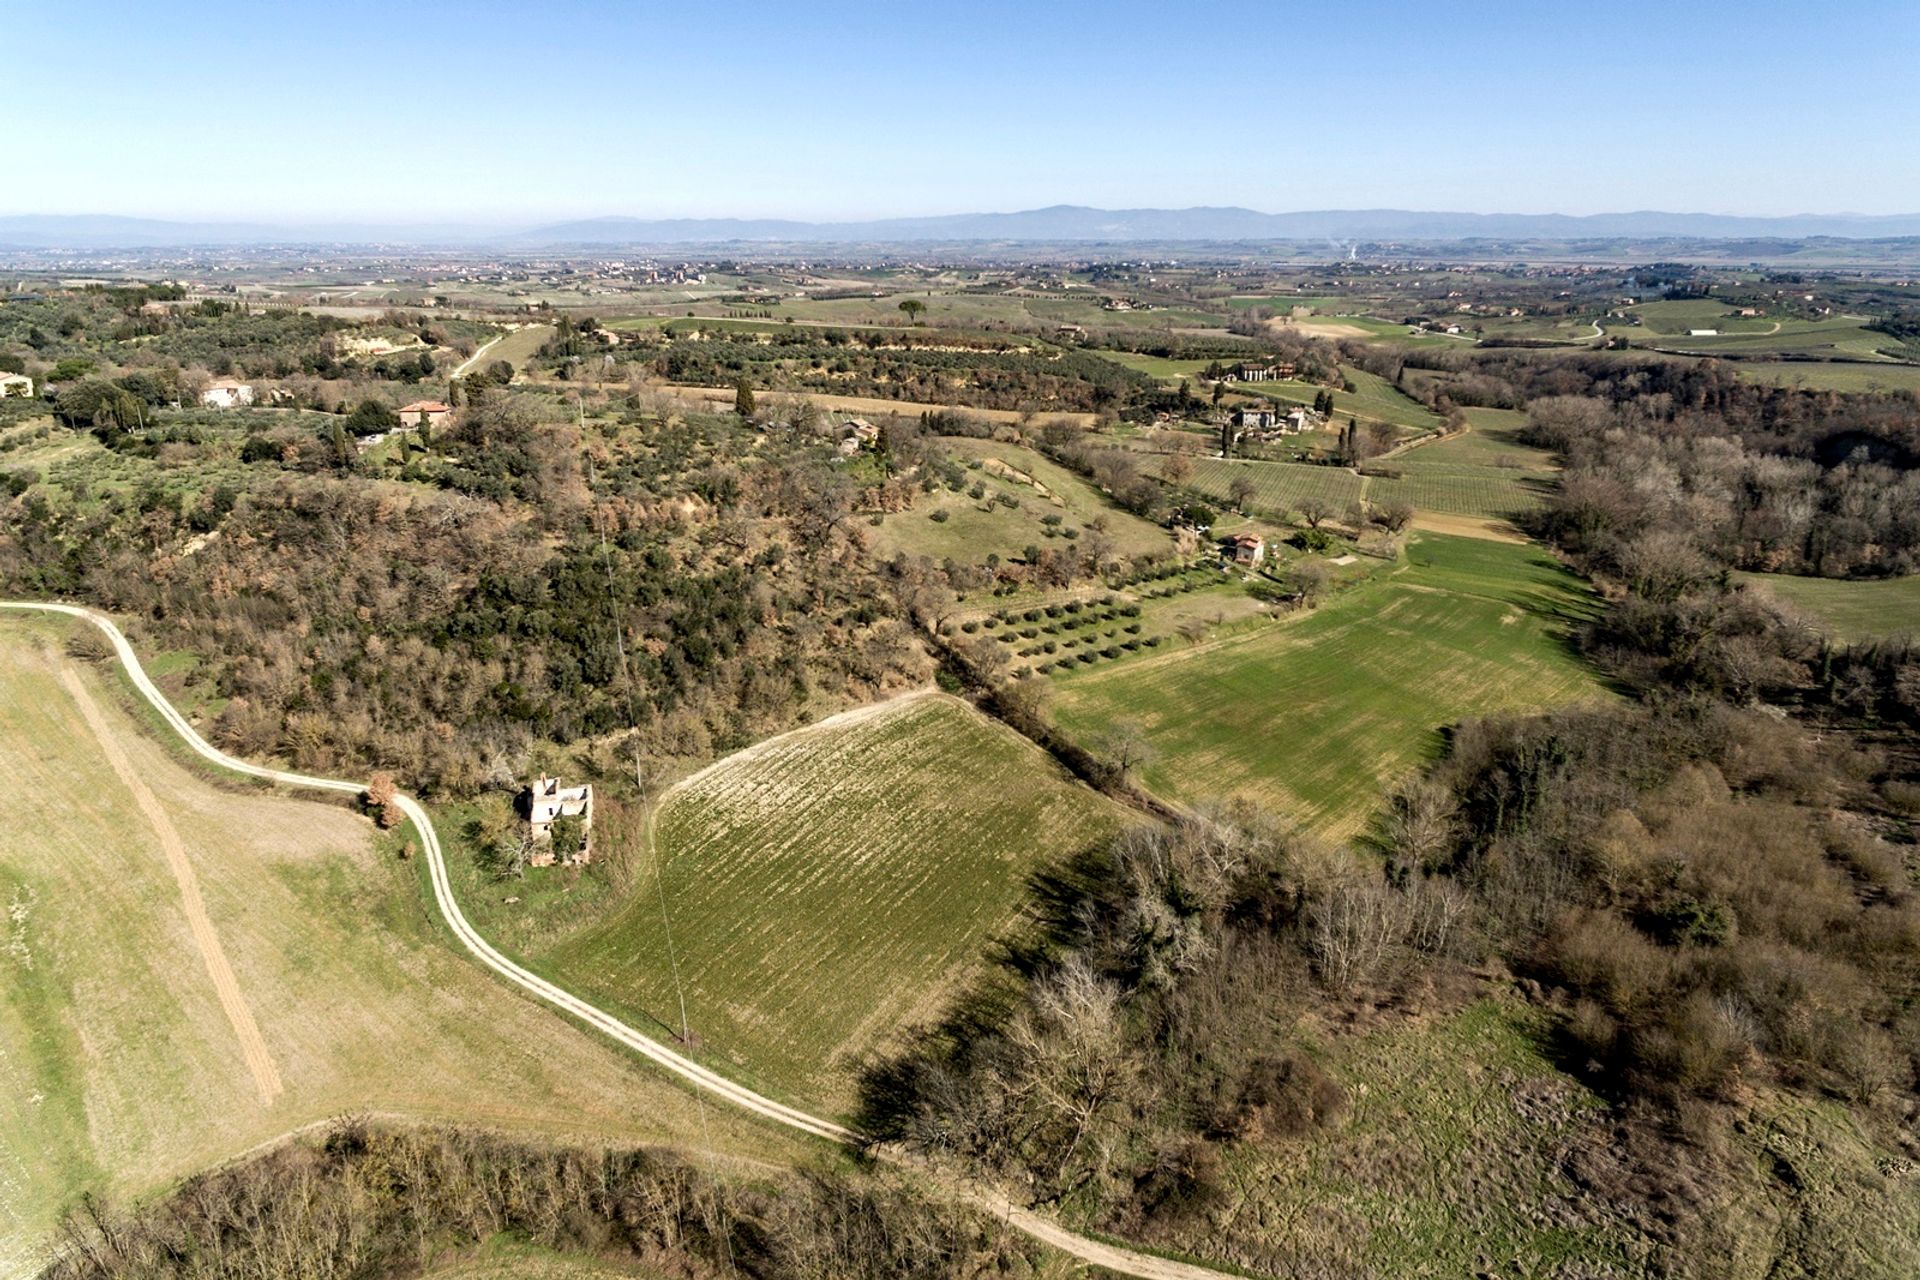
[828, 887]
[1277, 486]
[125, 1062]
[1849, 611]
[1486, 472]
[1313, 716]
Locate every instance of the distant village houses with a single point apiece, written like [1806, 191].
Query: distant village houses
[15, 384]
[547, 802]
[226, 393]
[424, 413]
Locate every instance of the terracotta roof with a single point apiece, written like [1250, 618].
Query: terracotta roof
[426, 406]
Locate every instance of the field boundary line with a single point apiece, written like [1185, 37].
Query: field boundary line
[1130, 1262]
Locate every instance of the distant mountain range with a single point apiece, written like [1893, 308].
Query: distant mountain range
[1055, 225]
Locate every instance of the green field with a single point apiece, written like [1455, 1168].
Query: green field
[1849, 611]
[1161, 367]
[517, 348]
[975, 528]
[1677, 316]
[1315, 714]
[1485, 473]
[1278, 487]
[123, 1063]
[828, 887]
[1373, 398]
[1432, 1169]
[1832, 375]
[1839, 338]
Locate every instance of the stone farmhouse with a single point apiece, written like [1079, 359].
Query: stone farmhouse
[547, 802]
[424, 413]
[1244, 548]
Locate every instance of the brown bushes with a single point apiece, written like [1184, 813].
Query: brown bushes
[370, 1202]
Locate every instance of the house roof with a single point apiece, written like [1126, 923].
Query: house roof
[1247, 540]
[426, 406]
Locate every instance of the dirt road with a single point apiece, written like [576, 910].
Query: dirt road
[1114, 1258]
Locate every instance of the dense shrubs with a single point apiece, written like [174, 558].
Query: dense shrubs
[369, 1202]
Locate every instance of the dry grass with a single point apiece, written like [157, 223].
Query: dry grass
[121, 1069]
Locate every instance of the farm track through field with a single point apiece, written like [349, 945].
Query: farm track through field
[233, 1002]
[1113, 1258]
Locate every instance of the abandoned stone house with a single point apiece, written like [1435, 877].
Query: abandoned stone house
[546, 803]
[1244, 548]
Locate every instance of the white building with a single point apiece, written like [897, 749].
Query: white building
[15, 384]
[227, 394]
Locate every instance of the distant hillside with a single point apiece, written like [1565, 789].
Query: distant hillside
[1057, 224]
[1075, 222]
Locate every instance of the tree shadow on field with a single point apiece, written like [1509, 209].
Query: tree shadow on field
[893, 1085]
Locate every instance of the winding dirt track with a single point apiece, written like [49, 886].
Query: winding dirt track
[1114, 1258]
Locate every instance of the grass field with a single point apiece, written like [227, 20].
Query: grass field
[1161, 367]
[830, 886]
[1314, 715]
[518, 347]
[977, 527]
[121, 1059]
[1451, 1153]
[1849, 611]
[1832, 375]
[1678, 315]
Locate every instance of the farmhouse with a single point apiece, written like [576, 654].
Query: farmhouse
[1244, 548]
[857, 434]
[547, 802]
[226, 393]
[15, 384]
[424, 413]
[1260, 372]
[1259, 419]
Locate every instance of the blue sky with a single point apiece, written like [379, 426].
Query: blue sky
[531, 111]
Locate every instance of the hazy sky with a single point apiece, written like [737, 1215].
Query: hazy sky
[529, 111]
